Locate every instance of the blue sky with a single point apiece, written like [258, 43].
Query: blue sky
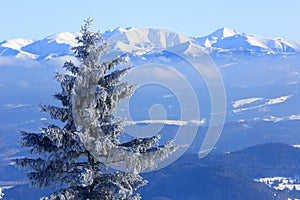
[35, 19]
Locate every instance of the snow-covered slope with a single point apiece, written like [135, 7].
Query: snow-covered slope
[13, 48]
[133, 39]
[187, 48]
[52, 46]
[228, 39]
[16, 44]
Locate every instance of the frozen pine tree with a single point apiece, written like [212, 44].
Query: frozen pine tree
[78, 156]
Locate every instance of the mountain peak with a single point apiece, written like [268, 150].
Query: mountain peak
[224, 33]
[57, 44]
[63, 38]
[113, 32]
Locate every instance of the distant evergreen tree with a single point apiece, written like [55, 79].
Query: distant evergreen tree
[78, 156]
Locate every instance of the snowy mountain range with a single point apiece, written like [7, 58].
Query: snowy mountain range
[229, 39]
[144, 40]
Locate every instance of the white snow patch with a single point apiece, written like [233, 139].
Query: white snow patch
[296, 145]
[292, 83]
[25, 55]
[281, 183]
[227, 65]
[242, 102]
[169, 122]
[278, 100]
[14, 106]
[168, 95]
[3, 188]
[294, 117]
[273, 119]
[267, 102]
[277, 118]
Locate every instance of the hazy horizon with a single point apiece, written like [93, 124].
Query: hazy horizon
[34, 20]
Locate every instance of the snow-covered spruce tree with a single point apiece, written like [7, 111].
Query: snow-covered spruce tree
[78, 157]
